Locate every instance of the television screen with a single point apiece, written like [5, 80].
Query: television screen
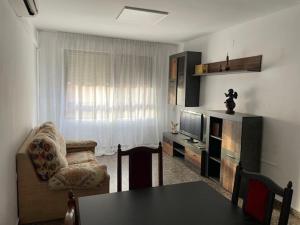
[191, 124]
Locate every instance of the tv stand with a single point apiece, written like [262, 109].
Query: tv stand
[192, 140]
[178, 150]
[186, 148]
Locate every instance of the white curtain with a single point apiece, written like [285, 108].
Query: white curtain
[110, 90]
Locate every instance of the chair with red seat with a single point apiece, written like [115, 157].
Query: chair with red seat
[140, 167]
[259, 196]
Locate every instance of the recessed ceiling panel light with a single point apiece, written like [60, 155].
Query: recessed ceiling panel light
[140, 16]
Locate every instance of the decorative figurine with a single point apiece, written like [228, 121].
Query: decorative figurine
[174, 127]
[230, 104]
[227, 63]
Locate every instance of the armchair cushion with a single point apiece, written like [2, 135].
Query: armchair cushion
[80, 157]
[48, 128]
[45, 156]
[81, 144]
[79, 176]
[77, 146]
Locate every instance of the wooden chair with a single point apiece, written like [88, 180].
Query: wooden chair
[140, 167]
[259, 196]
[71, 217]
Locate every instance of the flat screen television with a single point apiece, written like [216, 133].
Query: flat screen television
[191, 125]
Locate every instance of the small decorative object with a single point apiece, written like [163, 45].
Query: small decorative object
[200, 69]
[227, 63]
[174, 127]
[230, 104]
[220, 68]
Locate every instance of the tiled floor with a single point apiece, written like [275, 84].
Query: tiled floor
[175, 171]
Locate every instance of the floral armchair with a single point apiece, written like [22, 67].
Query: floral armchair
[48, 167]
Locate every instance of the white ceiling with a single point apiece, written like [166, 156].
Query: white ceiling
[187, 18]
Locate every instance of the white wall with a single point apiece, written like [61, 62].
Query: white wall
[17, 102]
[273, 93]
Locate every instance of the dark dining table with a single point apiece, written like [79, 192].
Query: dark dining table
[194, 203]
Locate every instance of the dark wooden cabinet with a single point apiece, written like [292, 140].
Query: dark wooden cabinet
[232, 139]
[184, 89]
[172, 81]
[180, 81]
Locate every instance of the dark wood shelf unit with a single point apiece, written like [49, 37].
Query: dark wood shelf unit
[215, 129]
[241, 65]
[214, 169]
[214, 149]
[215, 137]
[184, 89]
[178, 149]
[218, 160]
[238, 139]
[230, 139]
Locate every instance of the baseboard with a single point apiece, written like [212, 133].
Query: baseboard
[294, 212]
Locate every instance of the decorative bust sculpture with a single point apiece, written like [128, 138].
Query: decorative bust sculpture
[230, 104]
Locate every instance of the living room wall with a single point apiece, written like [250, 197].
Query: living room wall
[17, 101]
[272, 93]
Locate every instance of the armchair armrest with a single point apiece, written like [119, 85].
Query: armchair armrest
[79, 146]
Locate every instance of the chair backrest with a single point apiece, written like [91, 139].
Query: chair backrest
[259, 196]
[71, 217]
[140, 167]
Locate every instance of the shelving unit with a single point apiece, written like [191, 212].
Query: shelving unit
[172, 81]
[215, 159]
[232, 139]
[215, 137]
[241, 65]
[184, 89]
[214, 150]
[178, 150]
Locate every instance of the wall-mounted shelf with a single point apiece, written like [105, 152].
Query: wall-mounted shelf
[241, 65]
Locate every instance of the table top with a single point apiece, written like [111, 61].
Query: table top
[193, 203]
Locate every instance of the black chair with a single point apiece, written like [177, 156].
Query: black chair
[71, 217]
[140, 167]
[258, 199]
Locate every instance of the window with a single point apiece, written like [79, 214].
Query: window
[105, 87]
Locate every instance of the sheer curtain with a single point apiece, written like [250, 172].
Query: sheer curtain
[110, 90]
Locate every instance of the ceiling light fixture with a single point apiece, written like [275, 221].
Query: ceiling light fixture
[135, 15]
